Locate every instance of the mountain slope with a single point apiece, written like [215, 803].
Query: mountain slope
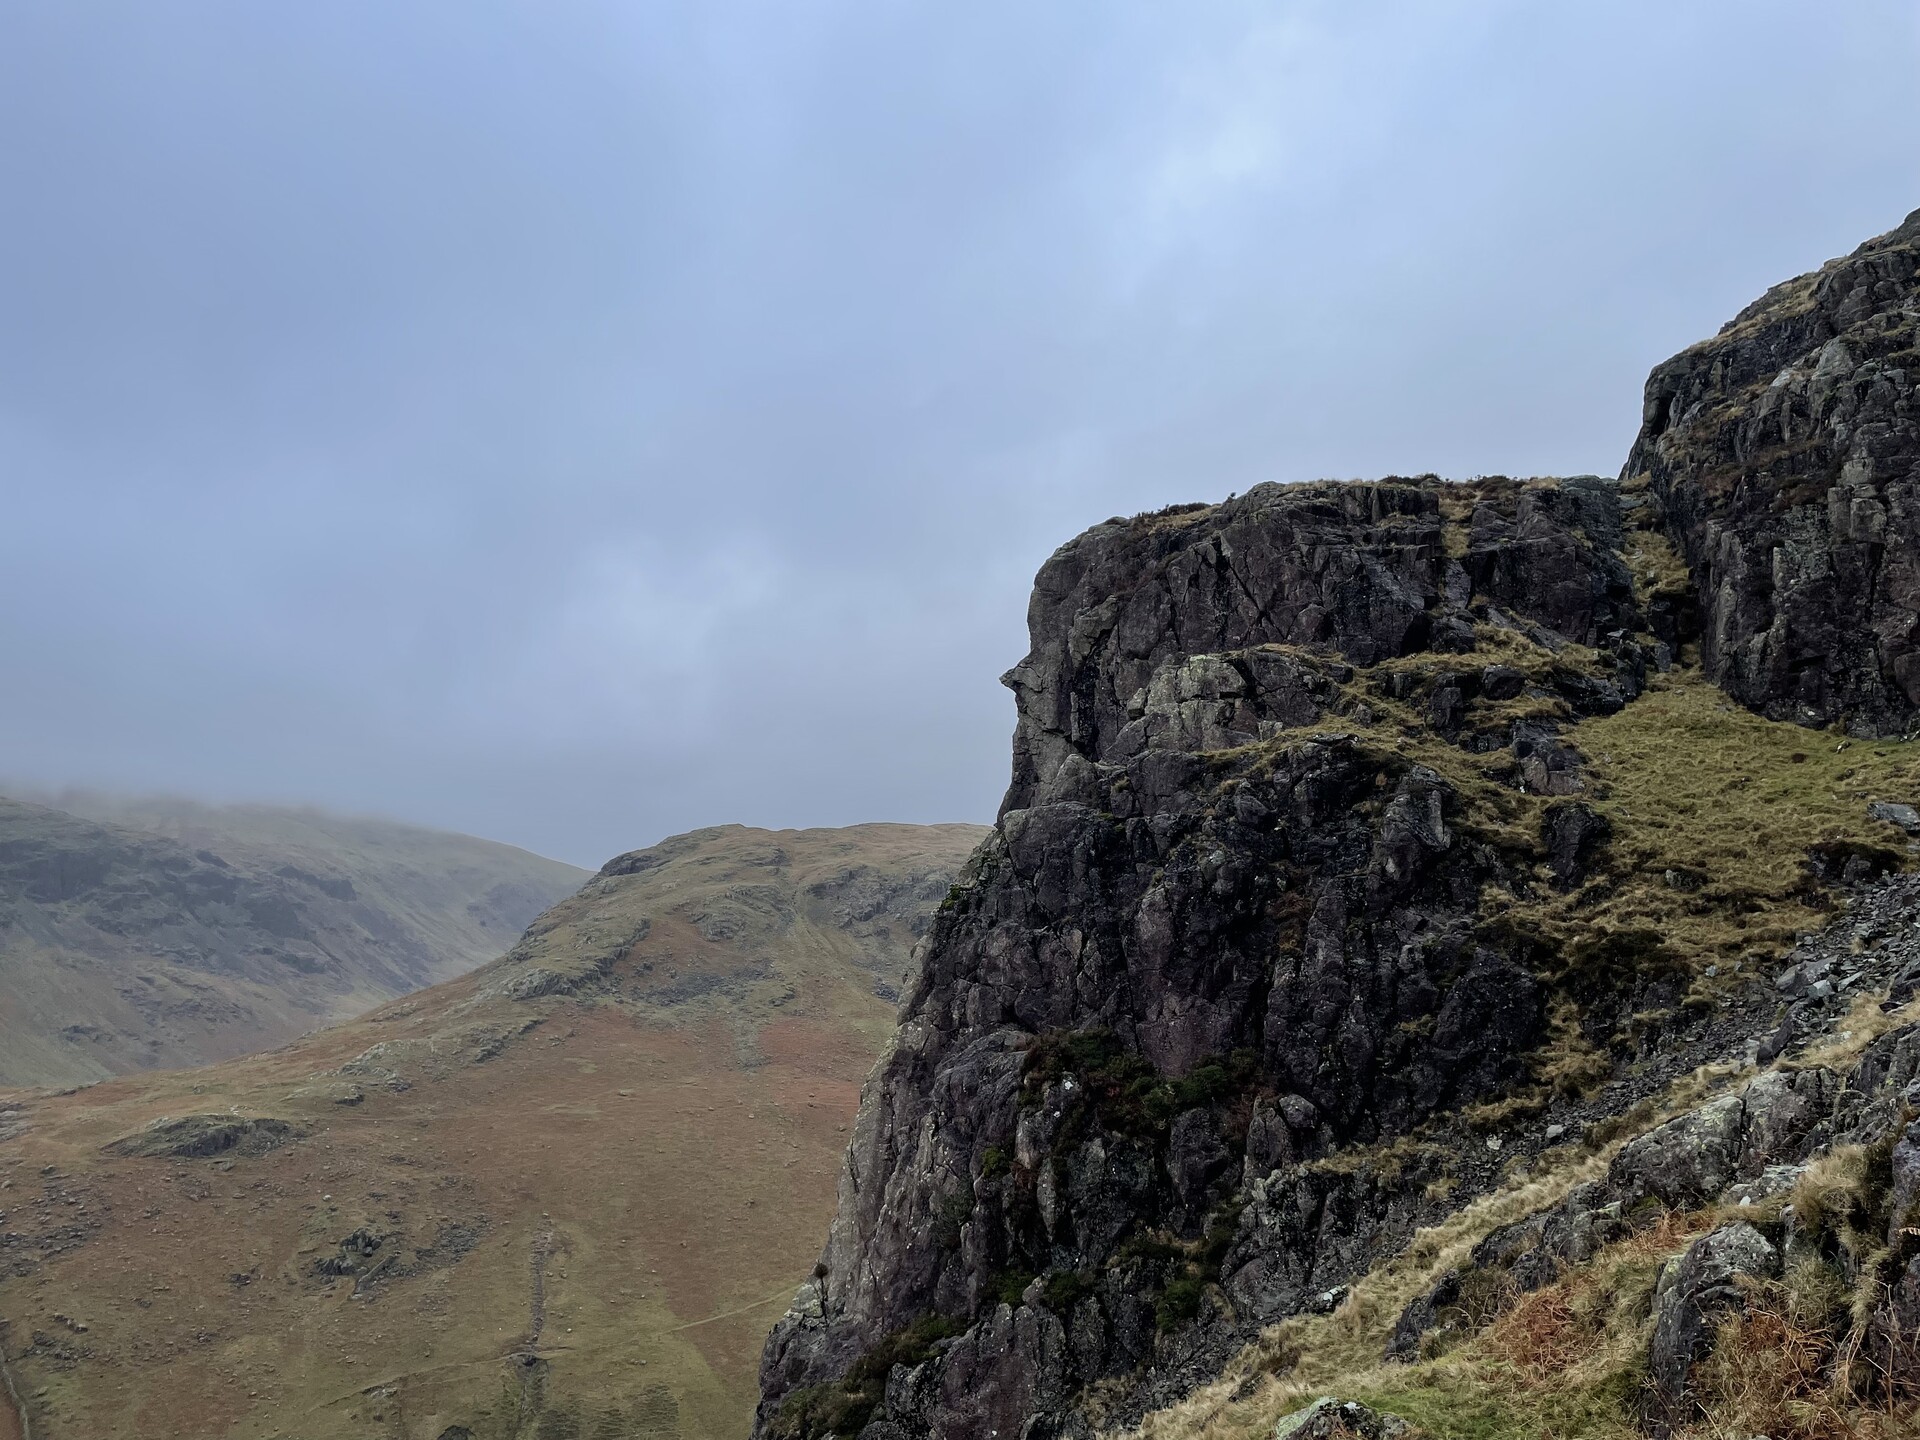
[142, 934]
[557, 1196]
[1377, 850]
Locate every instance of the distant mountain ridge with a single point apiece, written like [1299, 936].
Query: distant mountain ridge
[558, 1196]
[144, 933]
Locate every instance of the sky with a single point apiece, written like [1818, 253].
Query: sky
[577, 422]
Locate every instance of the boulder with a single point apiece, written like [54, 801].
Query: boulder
[1904, 816]
[1573, 833]
[1330, 1419]
[1694, 1296]
[1688, 1160]
[1422, 1316]
[202, 1137]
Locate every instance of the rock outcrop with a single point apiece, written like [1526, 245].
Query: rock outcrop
[1341, 1420]
[1786, 451]
[1696, 1292]
[1231, 999]
[1739, 1150]
[1223, 915]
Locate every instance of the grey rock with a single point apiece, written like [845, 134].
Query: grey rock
[1573, 833]
[202, 1137]
[1688, 1160]
[1797, 979]
[1197, 1158]
[1693, 1297]
[1784, 1115]
[1328, 1301]
[1331, 1419]
[1905, 816]
[1782, 454]
[1501, 682]
[1306, 1231]
[1544, 764]
[1269, 1141]
[1422, 1316]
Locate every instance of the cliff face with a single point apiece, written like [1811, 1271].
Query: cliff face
[1315, 885]
[1227, 920]
[1787, 452]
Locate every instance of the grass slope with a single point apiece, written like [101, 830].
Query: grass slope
[561, 1196]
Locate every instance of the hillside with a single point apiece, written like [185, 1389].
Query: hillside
[1443, 946]
[138, 934]
[558, 1196]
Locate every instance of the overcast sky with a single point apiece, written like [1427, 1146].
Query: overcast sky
[579, 422]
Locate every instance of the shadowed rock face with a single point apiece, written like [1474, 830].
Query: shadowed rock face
[1219, 903]
[1787, 453]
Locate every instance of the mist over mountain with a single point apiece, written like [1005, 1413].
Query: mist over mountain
[142, 933]
[561, 423]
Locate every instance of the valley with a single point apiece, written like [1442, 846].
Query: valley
[140, 934]
[562, 1195]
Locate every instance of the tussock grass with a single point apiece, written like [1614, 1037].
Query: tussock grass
[1695, 785]
[1568, 1361]
[1863, 1023]
[1290, 1364]
[1488, 1386]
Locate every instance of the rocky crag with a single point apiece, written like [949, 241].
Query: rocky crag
[1374, 847]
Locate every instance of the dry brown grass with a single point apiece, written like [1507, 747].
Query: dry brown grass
[1863, 1024]
[1569, 1063]
[1294, 1362]
[1541, 1335]
[1528, 1376]
[1789, 1368]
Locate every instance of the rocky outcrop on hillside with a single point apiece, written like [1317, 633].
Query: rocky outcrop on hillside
[1283, 931]
[1207, 935]
[1786, 451]
[1738, 1151]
